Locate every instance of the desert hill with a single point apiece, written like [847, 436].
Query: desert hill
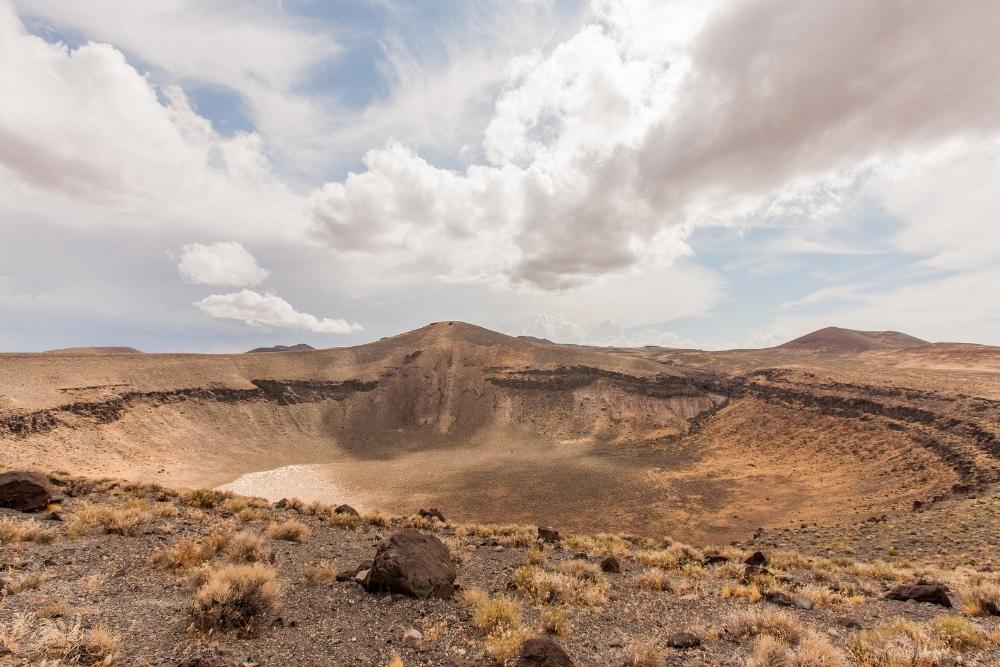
[835, 339]
[714, 445]
[298, 347]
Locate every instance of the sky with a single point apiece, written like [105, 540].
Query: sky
[216, 175]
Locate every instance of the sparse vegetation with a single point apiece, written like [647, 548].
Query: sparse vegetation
[25, 530]
[544, 586]
[236, 596]
[291, 530]
[126, 521]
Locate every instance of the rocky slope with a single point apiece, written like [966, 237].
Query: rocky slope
[127, 574]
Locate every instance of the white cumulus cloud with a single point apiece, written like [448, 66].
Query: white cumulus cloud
[269, 310]
[220, 264]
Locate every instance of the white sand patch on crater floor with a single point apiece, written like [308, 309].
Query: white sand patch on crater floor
[307, 482]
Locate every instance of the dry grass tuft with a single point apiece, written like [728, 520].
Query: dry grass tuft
[769, 651]
[76, 646]
[555, 587]
[191, 552]
[554, 622]
[345, 521]
[774, 622]
[395, 660]
[28, 530]
[816, 651]
[320, 572]
[905, 642]
[504, 646]
[497, 615]
[31, 581]
[980, 599]
[643, 654]
[236, 596]
[206, 499]
[536, 555]
[653, 579]
[127, 521]
[292, 530]
[246, 547]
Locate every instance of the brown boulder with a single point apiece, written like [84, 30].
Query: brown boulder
[546, 534]
[345, 509]
[611, 565]
[25, 491]
[921, 592]
[543, 652]
[414, 564]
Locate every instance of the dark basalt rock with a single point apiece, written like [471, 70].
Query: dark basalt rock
[412, 563]
[543, 652]
[25, 491]
[756, 559]
[346, 509]
[683, 640]
[921, 592]
[611, 565]
[714, 559]
[546, 534]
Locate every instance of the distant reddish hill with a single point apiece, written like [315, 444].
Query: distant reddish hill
[301, 347]
[836, 339]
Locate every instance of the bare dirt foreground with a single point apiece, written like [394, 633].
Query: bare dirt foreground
[130, 574]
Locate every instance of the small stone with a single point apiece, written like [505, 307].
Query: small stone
[683, 640]
[345, 509]
[756, 559]
[412, 637]
[498, 548]
[802, 602]
[611, 565]
[471, 548]
[361, 576]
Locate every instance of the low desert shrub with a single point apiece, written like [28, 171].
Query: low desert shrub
[555, 587]
[497, 615]
[643, 654]
[554, 622]
[192, 551]
[320, 572]
[765, 621]
[236, 596]
[74, 645]
[291, 531]
[28, 530]
[653, 579]
[246, 547]
[981, 599]
[127, 521]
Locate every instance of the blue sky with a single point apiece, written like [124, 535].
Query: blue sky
[214, 176]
